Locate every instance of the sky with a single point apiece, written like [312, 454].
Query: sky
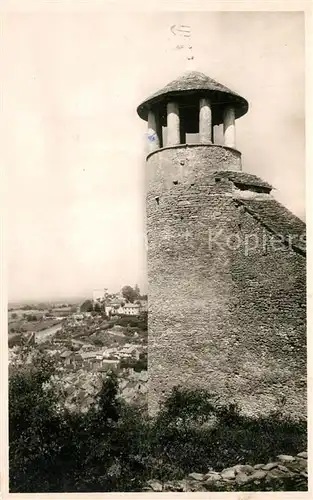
[75, 147]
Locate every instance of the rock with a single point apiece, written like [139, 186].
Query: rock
[196, 486]
[212, 475]
[301, 464]
[242, 478]
[196, 476]
[275, 474]
[282, 468]
[303, 454]
[304, 474]
[258, 466]
[270, 466]
[228, 473]
[258, 474]
[185, 485]
[212, 479]
[285, 458]
[246, 469]
[211, 486]
[173, 486]
[168, 487]
[155, 485]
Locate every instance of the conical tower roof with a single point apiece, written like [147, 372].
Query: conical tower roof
[195, 83]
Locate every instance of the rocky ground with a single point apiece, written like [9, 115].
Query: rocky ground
[239, 476]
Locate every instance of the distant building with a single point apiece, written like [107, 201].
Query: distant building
[69, 358]
[128, 309]
[78, 317]
[109, 363]
[88, 355]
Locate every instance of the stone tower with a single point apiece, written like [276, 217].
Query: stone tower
[226, 261]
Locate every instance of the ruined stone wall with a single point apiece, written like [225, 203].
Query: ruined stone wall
[272, 476]
[219, 318]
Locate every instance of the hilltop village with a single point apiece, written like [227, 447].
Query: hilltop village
[86, 340]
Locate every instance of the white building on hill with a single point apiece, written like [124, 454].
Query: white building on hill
[127, 309]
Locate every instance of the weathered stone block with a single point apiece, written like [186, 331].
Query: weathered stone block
[196, 476]
[212, 476]
[258, 474]
[270, 466]
[229, 473]
[155, 485]
[246, 469]
[242, 478]
[286, 458]
[303, 454]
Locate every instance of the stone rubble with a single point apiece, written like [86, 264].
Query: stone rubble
[239, 475]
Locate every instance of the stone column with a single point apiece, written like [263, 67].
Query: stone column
[159, 129]
[173, 124]
[205, 121]
[153, 132]
[229, 127]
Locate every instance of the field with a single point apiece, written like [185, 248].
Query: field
[31, 326]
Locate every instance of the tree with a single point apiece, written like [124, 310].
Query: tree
[98, 307]
[129, 294]
[114, 446]
[31, 317]
[87, 306]
[33, 424]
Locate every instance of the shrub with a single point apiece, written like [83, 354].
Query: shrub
[98, 341]
[31, 317]
[116, 447]
[193, 427]
[139, 322]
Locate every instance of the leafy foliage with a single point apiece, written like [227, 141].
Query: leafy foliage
[139, 322]
[130, 294]
[87, 306]
[116, 447]
[98, 307]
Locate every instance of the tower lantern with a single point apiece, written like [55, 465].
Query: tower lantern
[193, 104]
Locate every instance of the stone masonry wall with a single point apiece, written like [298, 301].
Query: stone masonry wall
[219, 318]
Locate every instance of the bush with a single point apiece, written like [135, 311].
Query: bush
[195, 428]
[116, 447]
[31, 317]
[87, 306]
[139, 322]
[98, 341]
